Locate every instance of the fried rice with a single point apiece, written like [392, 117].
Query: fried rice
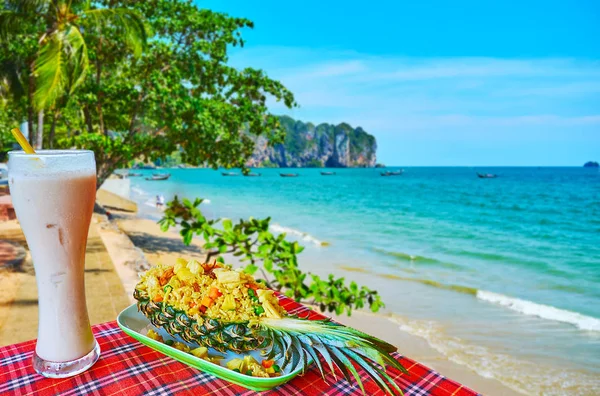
[189, 284]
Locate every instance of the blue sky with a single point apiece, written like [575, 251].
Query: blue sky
[438, 83]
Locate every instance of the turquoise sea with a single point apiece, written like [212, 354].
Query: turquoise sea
[502, 275]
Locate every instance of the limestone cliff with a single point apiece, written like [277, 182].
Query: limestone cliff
[324, 145]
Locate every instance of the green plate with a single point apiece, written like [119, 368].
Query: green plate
[136, 325]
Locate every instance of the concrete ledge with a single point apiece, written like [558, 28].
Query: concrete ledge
[113, 201]
[117, 185]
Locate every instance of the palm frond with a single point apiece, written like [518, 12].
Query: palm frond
[27, 6]
[77, 53]
[128, 21]
[11, 22]
[50, 71]
[10, 78]
[295, 340]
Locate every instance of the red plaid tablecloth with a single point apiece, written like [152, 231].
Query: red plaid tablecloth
[127, 367]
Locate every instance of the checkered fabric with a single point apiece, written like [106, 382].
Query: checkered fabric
[127, 367]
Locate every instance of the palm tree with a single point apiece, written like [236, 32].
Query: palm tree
[61, 63]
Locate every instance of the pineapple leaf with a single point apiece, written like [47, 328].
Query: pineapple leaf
[323, 352]
[276, 347]
[371, 354]
[298, 353]
[375, 373]
[338, 363]
[347, 365]
[311, 351]
[338, 345]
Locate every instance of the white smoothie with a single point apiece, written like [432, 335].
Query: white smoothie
[54, 198]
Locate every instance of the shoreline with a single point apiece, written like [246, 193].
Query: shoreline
[486, 338]
[131, 239]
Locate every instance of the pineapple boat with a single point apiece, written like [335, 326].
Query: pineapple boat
[214, 306]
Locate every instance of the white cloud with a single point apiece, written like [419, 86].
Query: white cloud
[466, 97]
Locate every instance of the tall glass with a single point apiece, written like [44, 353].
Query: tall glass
[53, 192]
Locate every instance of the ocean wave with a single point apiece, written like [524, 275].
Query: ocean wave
[516, 261]
[524, 307]
[406, 256]
[428, 282]
[485, 256]
[530, 308]
[413, 258]
[301, 235]
[520, 375]
[138, 191]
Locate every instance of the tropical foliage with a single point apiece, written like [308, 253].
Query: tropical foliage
[274, 256]
[138, 80]
[46, 55]
[131, 79]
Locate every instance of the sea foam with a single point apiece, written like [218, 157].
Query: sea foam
[138, 191]
[523, 376]
[301, 235]
[525, 307]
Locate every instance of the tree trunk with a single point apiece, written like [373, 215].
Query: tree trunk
[30, 123]
[100, 93]
[104, 171]
[55, 118]
[88, 119]
[40, 130]
[100, 115]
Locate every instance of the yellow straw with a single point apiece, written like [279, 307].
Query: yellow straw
[22, 141]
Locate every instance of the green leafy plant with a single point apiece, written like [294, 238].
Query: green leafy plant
[314, 163]
[49, 58]
[273, 255]
[152, 77]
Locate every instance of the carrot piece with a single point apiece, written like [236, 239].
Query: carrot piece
[268, 363]
[158, 298]
[207, 301]
[202, 309]
[214, 293]
[164, 278]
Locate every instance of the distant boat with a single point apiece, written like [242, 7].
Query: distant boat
[133, 174]
[157, 177]
[327, 173]
[251, 174]
[395, 173]
[289, 174]
[229, 174]
[486, 175]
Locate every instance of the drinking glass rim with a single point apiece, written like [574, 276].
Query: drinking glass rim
[50, 153]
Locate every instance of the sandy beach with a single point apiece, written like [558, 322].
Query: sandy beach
[134, 242]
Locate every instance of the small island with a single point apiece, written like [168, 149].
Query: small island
[591, 164]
